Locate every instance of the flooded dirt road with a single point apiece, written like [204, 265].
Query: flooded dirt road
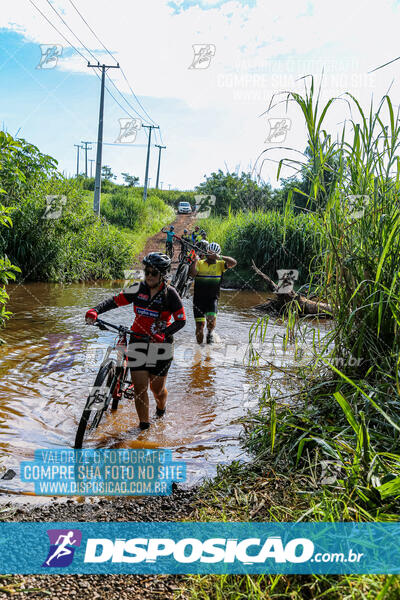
[51, 357]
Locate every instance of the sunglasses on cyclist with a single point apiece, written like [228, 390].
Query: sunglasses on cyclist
[152, 272]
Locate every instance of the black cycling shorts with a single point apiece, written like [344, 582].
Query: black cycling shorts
[204, 307]
[155, 358]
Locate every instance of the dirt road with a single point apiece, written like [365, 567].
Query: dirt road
[157, 242]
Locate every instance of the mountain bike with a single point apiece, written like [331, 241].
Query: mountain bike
[112, 382]
[181, 279]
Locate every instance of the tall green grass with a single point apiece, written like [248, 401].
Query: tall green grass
[274, 241]
[126, 209]
[76, 246]
[348, 416]
[359, 274]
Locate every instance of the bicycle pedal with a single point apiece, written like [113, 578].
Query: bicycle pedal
[96, 401]
[129, 393]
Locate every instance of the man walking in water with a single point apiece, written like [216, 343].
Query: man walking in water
[207, 275]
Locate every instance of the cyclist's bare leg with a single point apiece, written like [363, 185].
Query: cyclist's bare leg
[140, 381]
[211, 322]
[199, 331]
[157, 386]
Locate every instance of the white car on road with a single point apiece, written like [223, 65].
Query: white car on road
[184, 207]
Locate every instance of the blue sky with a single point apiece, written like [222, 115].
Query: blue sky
[209, 118]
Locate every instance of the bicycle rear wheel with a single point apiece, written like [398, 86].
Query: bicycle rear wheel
[97, 402]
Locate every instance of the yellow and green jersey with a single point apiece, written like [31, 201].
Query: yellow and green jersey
[208, 279]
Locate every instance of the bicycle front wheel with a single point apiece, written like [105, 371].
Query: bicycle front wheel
[97, 403]
[181, 280]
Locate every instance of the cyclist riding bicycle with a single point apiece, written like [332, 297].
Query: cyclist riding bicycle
[207, 275]
[169, 241]
[154, 302]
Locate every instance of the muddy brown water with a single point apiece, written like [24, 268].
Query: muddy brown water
[51, 357]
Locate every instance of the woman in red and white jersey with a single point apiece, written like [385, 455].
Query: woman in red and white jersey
[154, 305]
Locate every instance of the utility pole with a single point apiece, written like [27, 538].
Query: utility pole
[86, 149]
[97, 184]
[159, 160]
[169, 186]
[161, 184]
[91, 160]
[148, 159]
[77, 158]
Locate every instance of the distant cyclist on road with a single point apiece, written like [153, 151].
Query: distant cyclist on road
[207, 282]
[169, 251]
[196, 234]
[185, 238]
[154, 303]
[203, 244]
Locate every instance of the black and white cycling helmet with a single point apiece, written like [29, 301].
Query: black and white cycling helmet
[203, 244]
[214, 247]
[158, 261]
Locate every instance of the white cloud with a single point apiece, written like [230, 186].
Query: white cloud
[154, 46]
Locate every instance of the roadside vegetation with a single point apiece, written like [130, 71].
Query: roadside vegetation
[273, 240]
[108, 186]
[330, 449]
[55, 235]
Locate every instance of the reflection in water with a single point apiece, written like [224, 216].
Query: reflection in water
[51, 357]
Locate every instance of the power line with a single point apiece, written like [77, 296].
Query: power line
[121, 69]
[121, 94]
[69, 28]
[97, 38]
[78, 51]
[134, 95]
[85, 59]
[93, 56]
[124, 144]
[58, 31]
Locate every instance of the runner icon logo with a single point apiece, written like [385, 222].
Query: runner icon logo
[62, 547]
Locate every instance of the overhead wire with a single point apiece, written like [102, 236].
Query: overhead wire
[96, 59]
[121, 69]
[97, 38]
[79, 52]
[58, 31]
[121, 94]
[69, 28]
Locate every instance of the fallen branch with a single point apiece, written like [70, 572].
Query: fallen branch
[282, 301]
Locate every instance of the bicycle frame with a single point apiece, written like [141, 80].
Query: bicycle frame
[120, 344]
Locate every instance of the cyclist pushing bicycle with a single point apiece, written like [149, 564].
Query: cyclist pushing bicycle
[154, 303]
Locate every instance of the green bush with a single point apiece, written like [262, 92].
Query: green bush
[76, 246]
[126, 209]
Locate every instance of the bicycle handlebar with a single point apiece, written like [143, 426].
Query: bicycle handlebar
[200, 250]
[120, 328]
